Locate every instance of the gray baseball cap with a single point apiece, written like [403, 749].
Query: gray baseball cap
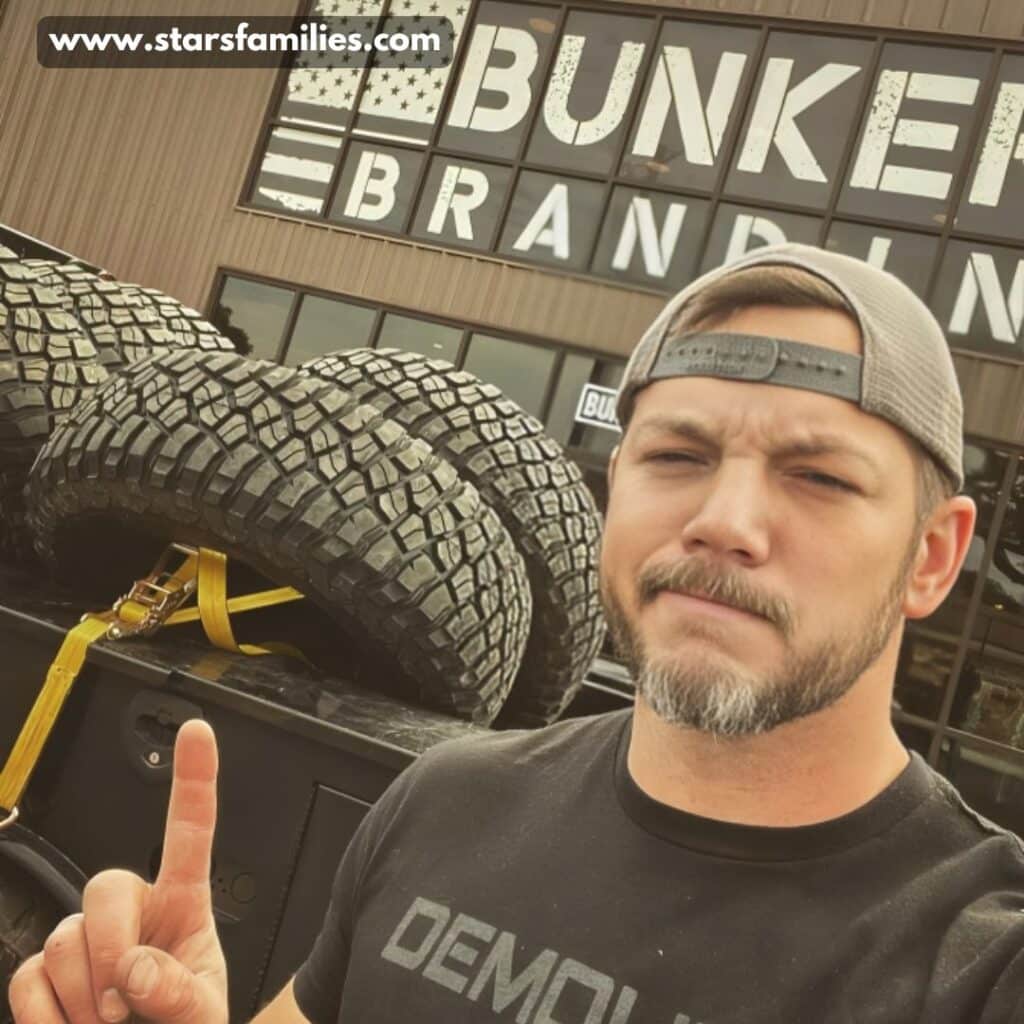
[905, 374]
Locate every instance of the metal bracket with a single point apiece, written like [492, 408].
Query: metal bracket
[153, 593]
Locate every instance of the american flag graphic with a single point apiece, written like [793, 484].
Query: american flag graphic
[397, 103]
[402, 103]
[296, 170]
[322, 88]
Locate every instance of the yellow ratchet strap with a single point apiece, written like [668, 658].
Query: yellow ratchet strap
[29, 745]
[214, 607]
[153, 602]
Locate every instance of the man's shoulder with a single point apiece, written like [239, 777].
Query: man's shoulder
[520, 754]
[967, 826]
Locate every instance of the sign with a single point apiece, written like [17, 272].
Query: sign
[596, 407]
[628, 129]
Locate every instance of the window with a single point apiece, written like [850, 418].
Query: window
[518, 369]
[990, 696]
[929, 645]
[327, 325]
[413, 334]
[599, 142]
[253, 316]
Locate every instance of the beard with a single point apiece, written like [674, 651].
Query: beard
[701, 691]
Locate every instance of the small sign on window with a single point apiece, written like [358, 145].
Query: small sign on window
[596, 407]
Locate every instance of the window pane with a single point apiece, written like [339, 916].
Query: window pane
[586, 437]
[579, 371]
[984, 469]
[651, 238]
[990, 698]
[738, 230]
[992, 203]
[521, 371]
[974, 290]
[907, 255]
[922, 672]
[296, 171]
[596, 73]
[707, 57]
[253, 316]
[487, 118]
[403, 103]
[326, 325]
[552, 220]
[413, 335]
[904, 168]
[321, 88]
[461, 202]
[375, 187]
[778, 166]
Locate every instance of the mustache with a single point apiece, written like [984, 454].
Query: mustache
[728, 587]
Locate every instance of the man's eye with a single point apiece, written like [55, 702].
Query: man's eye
[825, 480]
[673, 456]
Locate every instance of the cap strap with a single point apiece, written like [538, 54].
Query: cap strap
[754, 357]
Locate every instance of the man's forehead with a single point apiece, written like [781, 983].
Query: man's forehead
[812, 325]
[781, 420]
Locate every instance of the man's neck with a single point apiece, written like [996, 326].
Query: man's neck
[808, 771]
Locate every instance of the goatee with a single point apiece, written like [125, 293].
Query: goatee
[698, 690]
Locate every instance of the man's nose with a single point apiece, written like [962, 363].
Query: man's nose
[730, 519]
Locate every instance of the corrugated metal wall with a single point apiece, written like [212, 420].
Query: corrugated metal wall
[997, 18]
[140, 170]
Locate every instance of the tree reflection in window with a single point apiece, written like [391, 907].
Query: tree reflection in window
[990, 697]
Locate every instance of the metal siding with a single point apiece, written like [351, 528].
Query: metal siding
[992, 398]
[811, 9]
[963, 17]
[1005, 18]
[854, 11]
[925, 15]
[133, 169]
[994, 18]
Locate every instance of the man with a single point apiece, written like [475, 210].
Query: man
[752, 843]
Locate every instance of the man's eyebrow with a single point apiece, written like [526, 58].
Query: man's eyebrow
[816, 443]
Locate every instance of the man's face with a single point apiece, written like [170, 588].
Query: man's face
[791, 512]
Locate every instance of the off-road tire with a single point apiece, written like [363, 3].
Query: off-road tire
[538, 494]
[47, 366]
[296, 479]
[125, 321]
[189, 328]
[27, 916]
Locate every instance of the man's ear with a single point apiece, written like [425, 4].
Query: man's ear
[612, 460]
[940, 553]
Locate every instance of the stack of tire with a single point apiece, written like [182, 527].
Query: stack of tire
[435, 530]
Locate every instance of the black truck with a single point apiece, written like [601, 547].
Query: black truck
[427, 556]
[303, 756]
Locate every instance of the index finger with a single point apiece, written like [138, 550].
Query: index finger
[192, 813]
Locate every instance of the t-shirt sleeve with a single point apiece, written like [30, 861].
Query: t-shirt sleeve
[319, 982]
[1005, 1004]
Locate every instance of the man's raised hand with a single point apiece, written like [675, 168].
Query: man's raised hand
[137, 948]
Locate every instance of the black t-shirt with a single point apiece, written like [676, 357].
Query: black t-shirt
[525, 877]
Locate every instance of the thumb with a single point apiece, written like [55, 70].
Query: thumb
[161, 989]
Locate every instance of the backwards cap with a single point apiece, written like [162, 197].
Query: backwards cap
[905, 374]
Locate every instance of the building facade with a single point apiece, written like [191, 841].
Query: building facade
[524, 210]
